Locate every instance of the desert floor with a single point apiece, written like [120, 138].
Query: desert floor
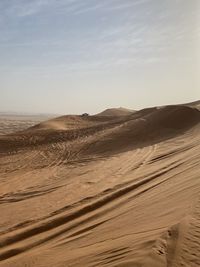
[102, 190]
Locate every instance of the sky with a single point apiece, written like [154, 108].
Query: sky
[75, 56]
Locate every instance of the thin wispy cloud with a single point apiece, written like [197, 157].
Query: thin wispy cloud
[23, 8]
[72, 37]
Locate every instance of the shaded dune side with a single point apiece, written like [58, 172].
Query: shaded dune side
[148, 127]
[194, 104]
[175, 117]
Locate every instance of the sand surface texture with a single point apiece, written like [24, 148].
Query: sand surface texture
[103, 191]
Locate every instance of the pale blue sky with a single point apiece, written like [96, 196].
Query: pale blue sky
[74, 56]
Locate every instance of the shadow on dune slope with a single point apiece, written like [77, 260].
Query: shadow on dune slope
[148, 126]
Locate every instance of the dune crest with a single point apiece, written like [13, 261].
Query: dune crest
[116, 112]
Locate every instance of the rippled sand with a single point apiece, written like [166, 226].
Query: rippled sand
[103, 191]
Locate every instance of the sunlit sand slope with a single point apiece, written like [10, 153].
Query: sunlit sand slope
[98, 191]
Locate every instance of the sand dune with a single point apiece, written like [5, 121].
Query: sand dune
[71, 122]
[195, 104]
[116, 112]
[104, 190]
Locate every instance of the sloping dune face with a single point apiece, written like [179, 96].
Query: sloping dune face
[70, 122]
[120, 191]
[116, 112]
[195, 104]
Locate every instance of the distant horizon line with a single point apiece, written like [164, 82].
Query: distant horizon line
[28, 113]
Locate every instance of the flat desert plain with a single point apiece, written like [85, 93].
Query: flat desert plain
[10, 123]
[115, 189]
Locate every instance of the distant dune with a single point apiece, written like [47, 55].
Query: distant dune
[119, 190]
[70, 122]
[116, 112]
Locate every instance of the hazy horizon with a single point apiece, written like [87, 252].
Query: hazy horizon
[35, 113]
[70, 56]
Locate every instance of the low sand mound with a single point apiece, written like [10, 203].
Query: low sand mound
[116, 112]
[67, 122]
[71, 122]
[61, 129]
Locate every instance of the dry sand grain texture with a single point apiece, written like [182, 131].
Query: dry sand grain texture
[103, 191]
